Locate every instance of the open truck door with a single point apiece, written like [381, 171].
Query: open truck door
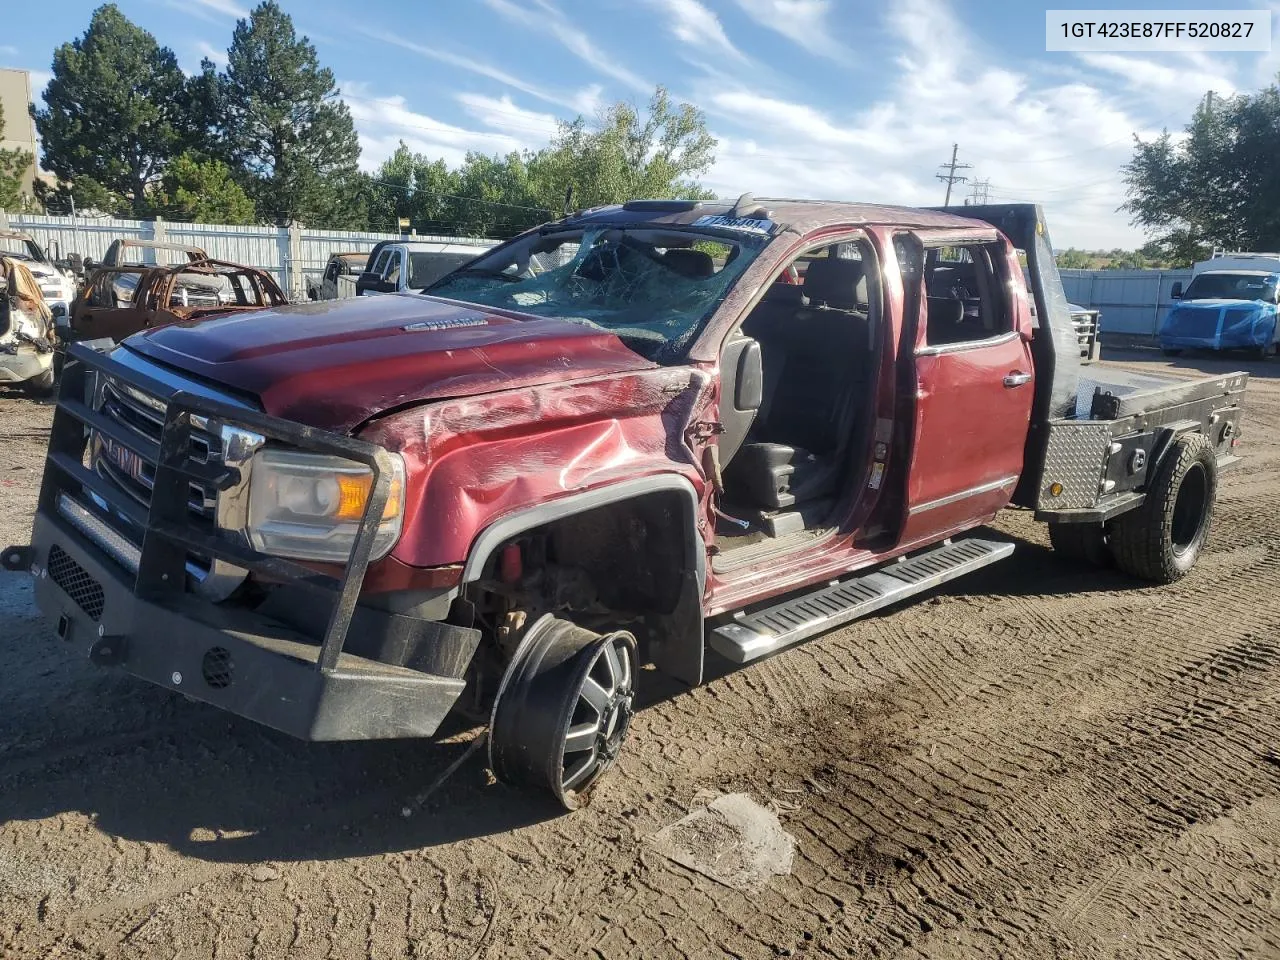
[974, 377]
[1054, 345]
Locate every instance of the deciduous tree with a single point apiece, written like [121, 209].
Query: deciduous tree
[1218, 186]
[202, 191]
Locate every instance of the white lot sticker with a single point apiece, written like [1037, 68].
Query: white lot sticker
[736, 223]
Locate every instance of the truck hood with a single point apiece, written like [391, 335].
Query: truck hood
[334, 364]
[1219, 324]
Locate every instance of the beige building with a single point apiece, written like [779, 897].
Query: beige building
[19, 129]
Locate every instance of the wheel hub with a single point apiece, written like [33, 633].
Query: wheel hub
[613, 726]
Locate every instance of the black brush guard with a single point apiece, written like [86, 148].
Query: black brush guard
[150, 625]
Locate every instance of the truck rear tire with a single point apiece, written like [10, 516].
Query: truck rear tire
[1081, 542]
[1163, 538]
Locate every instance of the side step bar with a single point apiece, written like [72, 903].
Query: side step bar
[754, 635]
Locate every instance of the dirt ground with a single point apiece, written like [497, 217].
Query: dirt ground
[1042, 761]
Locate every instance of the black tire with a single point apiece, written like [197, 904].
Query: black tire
[1171, 352]
[1081, 542]
[1162, 539]
[1265, 353]
[42, 386]
[564, 708]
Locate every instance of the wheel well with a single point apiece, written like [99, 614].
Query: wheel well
[629, 563]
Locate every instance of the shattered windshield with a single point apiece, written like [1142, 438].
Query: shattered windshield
[653, 287]
[1233, 286]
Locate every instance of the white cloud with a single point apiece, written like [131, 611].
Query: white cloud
[1156, 79]
[586, 100]
[548, 19]
[1037, 133]
[209, 51]
[8, 50]
[225, 7]
[383, 121]
[693, 24]
[502, 114]
[803, 22]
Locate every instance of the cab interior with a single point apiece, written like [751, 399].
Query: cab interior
[797, 377]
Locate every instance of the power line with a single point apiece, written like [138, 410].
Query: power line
[950, 178]
[980, 192]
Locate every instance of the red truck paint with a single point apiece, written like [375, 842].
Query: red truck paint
[515, 410]
[360, 357]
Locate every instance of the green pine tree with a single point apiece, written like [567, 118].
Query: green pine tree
[115, 113]
[282, 124]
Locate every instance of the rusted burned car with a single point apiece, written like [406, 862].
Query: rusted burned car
[119, 301]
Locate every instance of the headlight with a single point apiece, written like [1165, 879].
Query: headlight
[309, 506]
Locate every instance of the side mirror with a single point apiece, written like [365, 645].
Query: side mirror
[1176, 292]
[748, 387]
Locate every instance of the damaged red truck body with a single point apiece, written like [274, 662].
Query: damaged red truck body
[636, 435]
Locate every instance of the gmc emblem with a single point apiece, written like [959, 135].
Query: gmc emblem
[121, 457]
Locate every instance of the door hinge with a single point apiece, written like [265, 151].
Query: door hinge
[703, 430]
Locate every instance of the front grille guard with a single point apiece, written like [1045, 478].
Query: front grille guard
[169, 534]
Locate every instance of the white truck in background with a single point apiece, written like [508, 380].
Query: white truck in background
[398, 266]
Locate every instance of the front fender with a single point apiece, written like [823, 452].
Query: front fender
[473, 461]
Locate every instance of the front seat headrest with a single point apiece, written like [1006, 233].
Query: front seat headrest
[834, 282]
[695, 264]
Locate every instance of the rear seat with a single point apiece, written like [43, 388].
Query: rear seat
[815, 344]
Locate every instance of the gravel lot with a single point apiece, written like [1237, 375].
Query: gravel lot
[1039, 762]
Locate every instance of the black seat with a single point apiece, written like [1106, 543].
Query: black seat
[695, 264]
[815, 344]
[944, 320]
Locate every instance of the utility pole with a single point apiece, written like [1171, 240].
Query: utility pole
[979, 192]
[950, 177]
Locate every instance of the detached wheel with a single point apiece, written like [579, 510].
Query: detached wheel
[1081, 542]
[1163, 538]
[563, 709]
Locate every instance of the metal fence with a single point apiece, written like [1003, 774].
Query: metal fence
[1132, 302]
[295, 254]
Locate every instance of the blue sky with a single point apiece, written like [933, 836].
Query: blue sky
[846, 99]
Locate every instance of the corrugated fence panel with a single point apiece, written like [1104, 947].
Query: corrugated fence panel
[292, 255]
[87, 236]
[1133, 302]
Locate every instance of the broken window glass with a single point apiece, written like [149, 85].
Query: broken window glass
[653, 287]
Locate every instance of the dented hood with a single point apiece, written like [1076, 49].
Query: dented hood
[336, 363]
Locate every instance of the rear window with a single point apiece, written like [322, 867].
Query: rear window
[1233, 286]
[427, 267]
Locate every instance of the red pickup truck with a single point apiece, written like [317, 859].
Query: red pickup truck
[645, 433]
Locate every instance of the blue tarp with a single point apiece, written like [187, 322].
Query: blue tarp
[1219, 325]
